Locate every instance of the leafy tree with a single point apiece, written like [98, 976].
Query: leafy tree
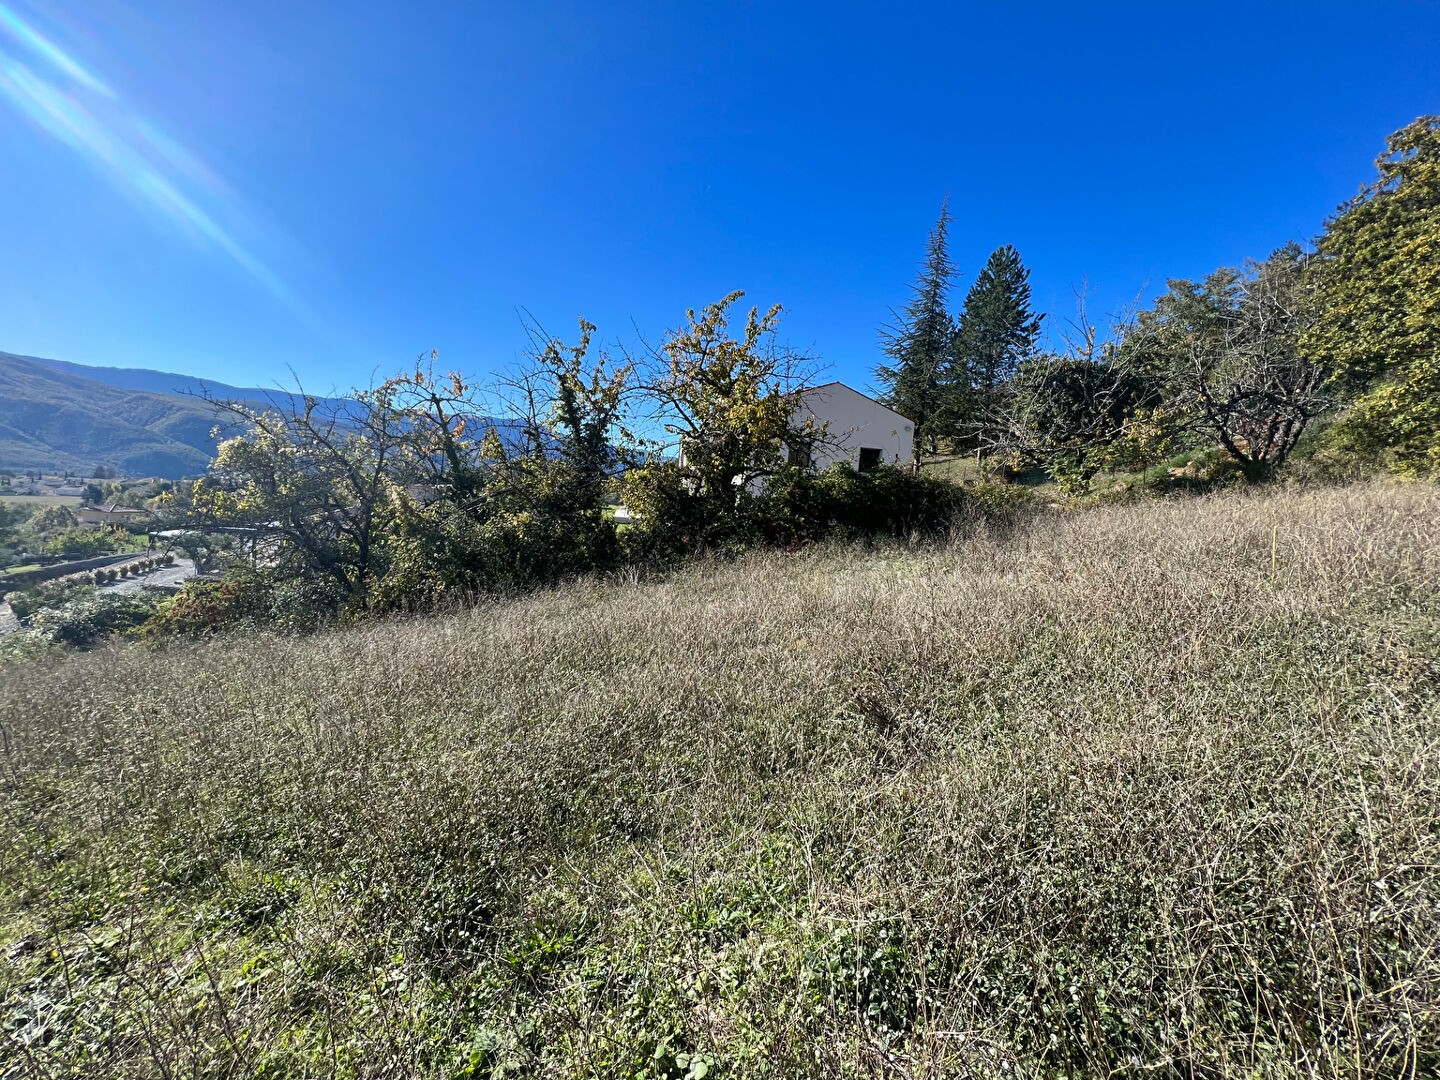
[78, 542]
[410, 490]
[1378, 323]
[313, 485]
[575, 406]
[514, 510]
[1078, 414]
[11, 539]
[996, 332]
[919, 345]
[52, 519]
[1229, 352]
[12, 516]
[729, 402]
[48, 522]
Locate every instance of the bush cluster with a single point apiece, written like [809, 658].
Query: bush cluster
[107, 574]
[245, 599]
[79, 616]
[839, 502]
[790, 507]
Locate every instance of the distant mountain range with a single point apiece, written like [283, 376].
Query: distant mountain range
[55, 416]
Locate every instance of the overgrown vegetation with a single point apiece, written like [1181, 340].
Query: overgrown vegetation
[431, 488]
[1140, 790]
[428, 489]
[1244, 362]
[1116, 787]
[51, 533]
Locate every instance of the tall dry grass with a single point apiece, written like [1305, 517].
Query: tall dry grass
[1143, 790]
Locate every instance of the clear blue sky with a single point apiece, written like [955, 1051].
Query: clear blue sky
[234, 189]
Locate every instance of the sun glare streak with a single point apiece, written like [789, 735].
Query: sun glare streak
[89, 117]
[166, 195]
[58, 113]
[42, 47]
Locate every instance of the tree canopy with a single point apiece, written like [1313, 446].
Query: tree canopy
[1378, 318]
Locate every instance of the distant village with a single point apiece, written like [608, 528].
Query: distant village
[103, 498]
[95, 529]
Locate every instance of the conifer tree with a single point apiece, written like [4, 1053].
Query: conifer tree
[997, 331]
[919, 344]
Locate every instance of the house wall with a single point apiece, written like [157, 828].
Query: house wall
[854, 421]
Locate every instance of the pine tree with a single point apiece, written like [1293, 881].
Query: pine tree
[919, 344]
[996, 332]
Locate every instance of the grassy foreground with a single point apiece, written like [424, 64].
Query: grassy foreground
[1141, 790]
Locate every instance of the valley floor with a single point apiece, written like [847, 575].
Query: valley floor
[1149, 789]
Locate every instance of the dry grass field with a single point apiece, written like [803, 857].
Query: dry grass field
[1144, 790]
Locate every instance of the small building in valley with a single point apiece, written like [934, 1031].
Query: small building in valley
[123, 517]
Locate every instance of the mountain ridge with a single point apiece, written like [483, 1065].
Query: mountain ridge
[56, 415]
[154, 381]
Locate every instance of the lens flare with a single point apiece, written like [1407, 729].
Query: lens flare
[64, 99]
[31, 40]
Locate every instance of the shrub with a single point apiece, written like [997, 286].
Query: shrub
[840, 502]
[795, 507]
[84, 619]
[670, 517]
[243, 598]
[533, 532]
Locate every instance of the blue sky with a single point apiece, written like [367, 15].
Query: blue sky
[241, 190]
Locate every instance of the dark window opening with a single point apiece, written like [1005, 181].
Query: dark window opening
[799, 453]
[869, 458]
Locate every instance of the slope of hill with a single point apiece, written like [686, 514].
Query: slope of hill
[1147, 790]
[55, 415]
[168, 382]
[54, 420]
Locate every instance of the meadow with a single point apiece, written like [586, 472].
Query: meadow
[1137, 790]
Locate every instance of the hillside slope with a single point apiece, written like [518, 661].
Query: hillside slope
[165, 382]
[52, 419]
[57, 415]
[1144, 790]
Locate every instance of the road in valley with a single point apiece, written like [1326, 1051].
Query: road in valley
[168, 575]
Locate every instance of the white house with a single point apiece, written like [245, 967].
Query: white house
[849, 426]
[857, 429]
